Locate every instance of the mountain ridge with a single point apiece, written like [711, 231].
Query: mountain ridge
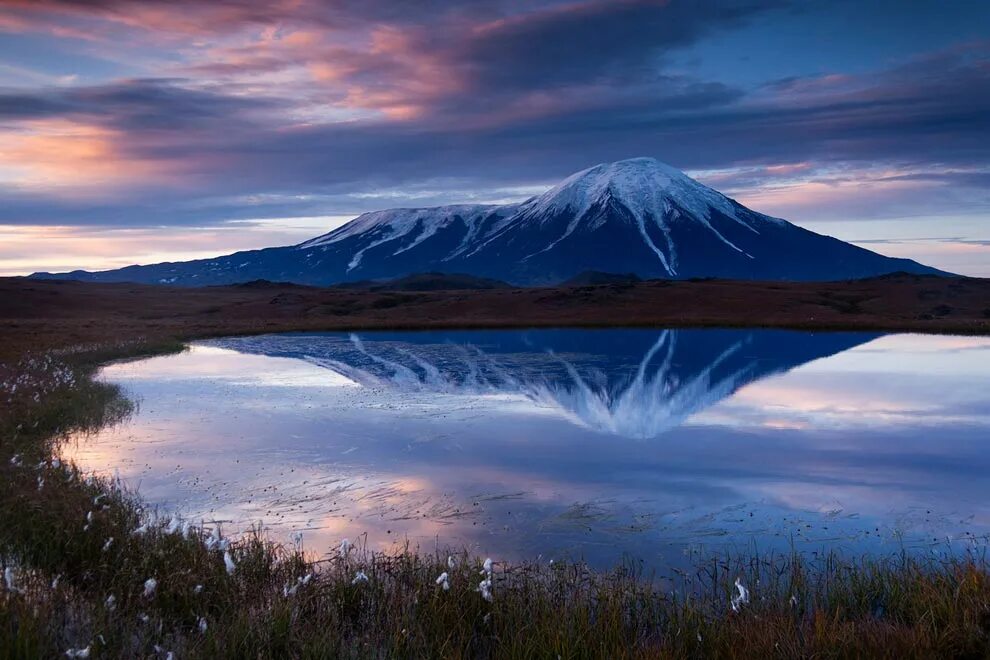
[636, 216]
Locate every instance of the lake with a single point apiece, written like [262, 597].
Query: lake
[565, 443]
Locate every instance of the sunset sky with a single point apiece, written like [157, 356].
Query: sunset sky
[136, 131]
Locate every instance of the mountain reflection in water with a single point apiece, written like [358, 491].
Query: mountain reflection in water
[630, 383]
[595, 444]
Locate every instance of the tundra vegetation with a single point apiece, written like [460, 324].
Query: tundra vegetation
[90, 571]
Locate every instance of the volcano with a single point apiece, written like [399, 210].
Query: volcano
[638, 216]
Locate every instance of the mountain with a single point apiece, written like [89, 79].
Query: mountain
[636, 216]
[635, 383]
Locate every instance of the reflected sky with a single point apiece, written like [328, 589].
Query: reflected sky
[593, 444]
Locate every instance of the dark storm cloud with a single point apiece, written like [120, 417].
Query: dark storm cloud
[912, 114]
[20, 105]
[908, 115]
[582, 42]
[473, 97]
[132, 105]
[547, 16]
[460, 62]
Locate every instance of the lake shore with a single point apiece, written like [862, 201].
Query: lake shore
[88, 568]
[43, 314]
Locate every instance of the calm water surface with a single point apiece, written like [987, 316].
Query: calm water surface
[594, 444]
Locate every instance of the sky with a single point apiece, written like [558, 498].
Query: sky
[139, 131]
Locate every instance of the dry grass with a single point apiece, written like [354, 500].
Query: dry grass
[35, 315]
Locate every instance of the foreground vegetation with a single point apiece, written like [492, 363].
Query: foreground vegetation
[88, 573]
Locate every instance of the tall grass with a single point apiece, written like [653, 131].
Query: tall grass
[71, 587]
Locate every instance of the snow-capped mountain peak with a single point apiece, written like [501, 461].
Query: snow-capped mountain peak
[645, 186]
[633, 216]
[644, 192]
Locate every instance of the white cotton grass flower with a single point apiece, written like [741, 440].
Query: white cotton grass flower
[216, 541]
[9, 580]
[56, 463]
[345, 547]
[173, 525]
[150, 585]
[79, 653]
[15, 460]
[211, 541]
[485, 589]
[201, 624]
[451, 562]
[41, 482]
[55, 581]
[300, 582]
[228, 562]
[144, 618]
[106, 546]
[359, 578]
[444, 581]
[742, 598]
[297, 539]
[198, 589]
[140, 530]
[111, 602]
[486, 568]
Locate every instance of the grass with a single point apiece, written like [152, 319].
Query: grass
[56, 526]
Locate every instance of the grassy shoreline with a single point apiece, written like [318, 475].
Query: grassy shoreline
[70, 543]
[46, 313]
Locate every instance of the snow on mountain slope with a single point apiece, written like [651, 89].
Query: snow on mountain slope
[636, 216]
[652, 193]
[408, 228]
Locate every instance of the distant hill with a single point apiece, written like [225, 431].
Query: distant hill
[266, 284]
[635, 216]
[594, 277]
[427, 282]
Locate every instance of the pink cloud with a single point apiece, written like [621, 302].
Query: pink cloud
[25, 249]
[75, 159]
